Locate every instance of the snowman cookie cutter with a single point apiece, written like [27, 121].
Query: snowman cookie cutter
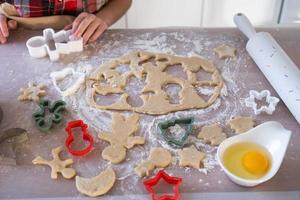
[53, 44]
[270, 100]
[61, 75]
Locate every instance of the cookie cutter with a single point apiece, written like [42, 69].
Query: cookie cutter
[272, 101]
[176, 181]
[61, 75]
[85, 136]
[44, 123]
[172, 141]
[53, 44]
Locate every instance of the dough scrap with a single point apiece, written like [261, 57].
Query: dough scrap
[32, 92]
[241, 124]
[106, 80]
[212, 134]
[158, 158]
[97, 185]
[190, 157]
[225, 51]
[57, 165]
[120, 138]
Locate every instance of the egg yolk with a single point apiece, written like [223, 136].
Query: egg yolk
[255, 162]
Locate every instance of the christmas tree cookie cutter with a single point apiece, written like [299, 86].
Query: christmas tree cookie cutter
[61, 75]
[270, 100]
[55, 109]
[171, 138]
[53, 44]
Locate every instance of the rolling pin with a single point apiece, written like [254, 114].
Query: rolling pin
[275, 64]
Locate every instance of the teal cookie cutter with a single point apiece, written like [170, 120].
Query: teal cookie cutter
[48, 114]
[167, 136]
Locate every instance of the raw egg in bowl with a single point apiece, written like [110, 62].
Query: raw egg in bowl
[255, 156]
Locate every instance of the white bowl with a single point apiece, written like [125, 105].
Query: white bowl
[272, 136]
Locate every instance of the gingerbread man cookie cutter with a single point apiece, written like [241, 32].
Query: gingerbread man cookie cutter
[53, 44]
[270, 100]
[61, 75]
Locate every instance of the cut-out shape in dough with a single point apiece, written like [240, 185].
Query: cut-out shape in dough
[107, 80]
[225, 51]
[61, 75]
[190, 157]
[120, 138]
[270, 100]
[32, 92]
[241, 124]
[212, 134]
[97, 185]
[158, 158]
[57, 165]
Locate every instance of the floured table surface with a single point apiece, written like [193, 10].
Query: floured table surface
[29, 181]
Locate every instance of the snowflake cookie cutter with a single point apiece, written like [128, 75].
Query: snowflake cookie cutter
[55, 109]
[169, 138]
[53, 44]
[176, 181]
[61, 75]
[85, 136]
[270, 100]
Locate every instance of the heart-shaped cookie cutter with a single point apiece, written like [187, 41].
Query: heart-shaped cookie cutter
[270, 100]
[60, 75]
[85, 136]
[53, 44]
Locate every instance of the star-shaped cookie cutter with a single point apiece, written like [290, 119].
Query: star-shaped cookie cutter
[44, 122]
[53, 44]
[85, 136]
[270, 100]
[150, 183]
[60, 75]
[171, 140]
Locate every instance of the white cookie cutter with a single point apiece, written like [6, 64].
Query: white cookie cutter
[272, 101]
[60, 75]
[53, 44]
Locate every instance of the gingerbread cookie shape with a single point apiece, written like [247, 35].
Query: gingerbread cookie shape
[190, 157]
[241, 124]
[120, 138]
[97, 185]
[32, 92]
[57, 165]
[106, 80]
[212, 134]
[225, 51]
[158, 158]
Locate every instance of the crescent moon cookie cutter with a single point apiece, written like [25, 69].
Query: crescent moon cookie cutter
[53, 44]
[61, 75]
[270, 100]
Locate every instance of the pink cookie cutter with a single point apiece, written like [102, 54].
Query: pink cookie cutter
[53, 44]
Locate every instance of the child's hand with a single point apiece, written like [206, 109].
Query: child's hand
[5, 26]
[88, 26]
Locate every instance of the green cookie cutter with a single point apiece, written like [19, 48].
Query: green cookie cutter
[54, 110]
[174, 142]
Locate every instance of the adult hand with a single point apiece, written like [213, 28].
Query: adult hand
[5, 26]
[88, 26]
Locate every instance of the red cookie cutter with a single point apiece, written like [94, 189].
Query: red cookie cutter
[85, 136]
[176, 181]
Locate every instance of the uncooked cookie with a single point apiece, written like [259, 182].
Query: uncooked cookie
[106, 80]
[32, 92]
[97, 185]
[212, 134]
[241, 124]
[190, 157]
[120, 138]
[225, 51]
[57, 165]
[158, 158]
